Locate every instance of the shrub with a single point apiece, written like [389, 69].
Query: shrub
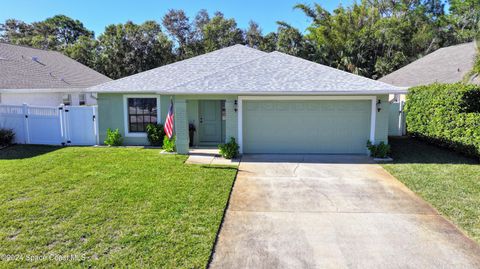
[114, 138]
[378, 151]
[169, 144]
[229, 150]
[155, 134]
[6, 137]
[446, 115]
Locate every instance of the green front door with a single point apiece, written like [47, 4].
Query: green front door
[210, 116]
[322, 126]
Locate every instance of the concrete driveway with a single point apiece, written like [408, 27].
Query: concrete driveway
[309, 211]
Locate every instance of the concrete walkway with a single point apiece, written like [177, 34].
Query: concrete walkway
[209, 157]
[333, 212]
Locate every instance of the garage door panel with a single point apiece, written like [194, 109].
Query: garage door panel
[306, 126]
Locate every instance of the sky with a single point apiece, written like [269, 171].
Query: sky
[95, 15]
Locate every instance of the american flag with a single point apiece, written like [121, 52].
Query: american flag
[169, 122]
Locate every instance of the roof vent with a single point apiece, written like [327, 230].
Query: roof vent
[63, 79]
[37, 60]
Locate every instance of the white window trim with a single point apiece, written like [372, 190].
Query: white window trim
[373, 115]
[80, 99]
[125, 112]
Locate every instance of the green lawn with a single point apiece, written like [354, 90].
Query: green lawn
[108, 207]
[445, 179]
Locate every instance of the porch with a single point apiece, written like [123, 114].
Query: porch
[204, 123]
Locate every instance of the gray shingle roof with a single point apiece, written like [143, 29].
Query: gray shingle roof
[28, 68]
[242, 70]
[445, 65]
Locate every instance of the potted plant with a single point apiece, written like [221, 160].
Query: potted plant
[191, 132]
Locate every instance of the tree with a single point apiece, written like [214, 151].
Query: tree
[221, 32]
[57, 32]
[465, 19]
[290, 40]
[66, 30]
[85, 51]
[374, 37]
[15, 32]
[269, 42]
[180, 29]
[253, 35]
[127, 49]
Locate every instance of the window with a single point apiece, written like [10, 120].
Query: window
[67, 99]
[141, 112]
[82, 99]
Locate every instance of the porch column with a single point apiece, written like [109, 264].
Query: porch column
[231, 121]
[181, 125]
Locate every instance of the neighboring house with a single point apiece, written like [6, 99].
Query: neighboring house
[269, 102]
[44, 78]
[446, 65]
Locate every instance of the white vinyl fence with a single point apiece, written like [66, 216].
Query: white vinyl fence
[63, 125]
[396, 121]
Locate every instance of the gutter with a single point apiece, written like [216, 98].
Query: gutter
[54, 90]
[401, 90]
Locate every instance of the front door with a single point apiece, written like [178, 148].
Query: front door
[210, 116]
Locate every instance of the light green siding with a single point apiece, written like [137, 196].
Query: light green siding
[381, 127]
[111, 115]
[320, 126]
[346, 118]
[231, 122]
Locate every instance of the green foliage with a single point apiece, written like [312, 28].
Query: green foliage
[381, 150]
[6, 137]
[369, 38]
[442, 114]
[155, 134]
[114, 138]
[169, 144]
[475, 72]
[229, 150]
[221, 32]
[57, 32]
[127, 49]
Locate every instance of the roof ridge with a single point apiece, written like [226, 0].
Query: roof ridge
[330, 67]
[83, 66]
[216, 72]
[426, 58]
[27, 47]
[183, 61]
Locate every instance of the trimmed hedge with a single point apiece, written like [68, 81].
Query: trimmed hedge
[446, 115]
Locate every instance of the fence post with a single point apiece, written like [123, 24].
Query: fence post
[25, 123]
[63, 123]
[95, 125]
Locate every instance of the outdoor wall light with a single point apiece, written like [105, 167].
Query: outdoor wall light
[235, 105]
[379, 105]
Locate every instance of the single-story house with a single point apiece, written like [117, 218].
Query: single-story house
[445, 65]
[270, 102]
[44, 78]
